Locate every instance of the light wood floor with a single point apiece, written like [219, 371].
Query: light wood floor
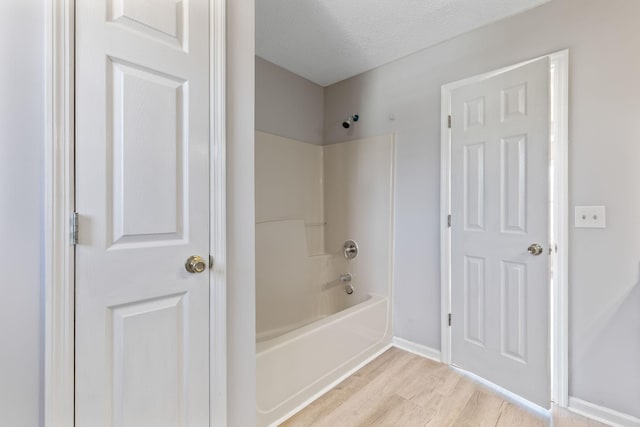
[401, 389]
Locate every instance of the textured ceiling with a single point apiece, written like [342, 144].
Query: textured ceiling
[330, 40]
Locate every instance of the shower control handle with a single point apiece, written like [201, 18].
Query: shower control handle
[346, 277]
[350, 249]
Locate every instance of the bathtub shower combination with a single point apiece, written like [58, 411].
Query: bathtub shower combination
[324, 217]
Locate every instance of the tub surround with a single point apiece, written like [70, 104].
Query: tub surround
[309, 200]
[358, 198]
[293, 288]
[289, 185]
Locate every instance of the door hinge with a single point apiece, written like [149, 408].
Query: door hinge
[74, 228]
[449, 220]
[449, 121]
[449, 319]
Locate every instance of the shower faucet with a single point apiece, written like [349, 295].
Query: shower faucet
[346, 278]
[350, 249]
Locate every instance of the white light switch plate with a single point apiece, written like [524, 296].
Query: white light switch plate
[590, 217]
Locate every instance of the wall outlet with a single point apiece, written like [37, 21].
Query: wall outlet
[590, 217]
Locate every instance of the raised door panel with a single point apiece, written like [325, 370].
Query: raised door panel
[513, 184]
[474, 113]
[513, 310]
[149, 147]
[513, 102]
[163, 20]
[474, 189]
[474, 301]
[149, 350]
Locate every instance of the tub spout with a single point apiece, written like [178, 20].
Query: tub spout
[346, 277]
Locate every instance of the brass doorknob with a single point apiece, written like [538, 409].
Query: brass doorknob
[195, 264]
[535, 249]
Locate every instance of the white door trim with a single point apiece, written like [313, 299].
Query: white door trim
[218, 215]
[559, 295]
[59, 203]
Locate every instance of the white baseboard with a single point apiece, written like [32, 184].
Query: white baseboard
[419, 349]
[602, 414]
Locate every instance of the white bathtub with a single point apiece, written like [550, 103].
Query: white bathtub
[294, 367]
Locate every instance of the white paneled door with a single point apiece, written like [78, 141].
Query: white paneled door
[499, 230]
[142, 193]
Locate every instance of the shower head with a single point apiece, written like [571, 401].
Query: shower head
[351, 119]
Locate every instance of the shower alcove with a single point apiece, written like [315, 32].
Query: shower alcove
[310, 199]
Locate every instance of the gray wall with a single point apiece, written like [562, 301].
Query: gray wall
[21, 195]
[604, 38]
[288, 105]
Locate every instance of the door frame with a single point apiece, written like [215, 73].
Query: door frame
[559, 309]
[59, 204]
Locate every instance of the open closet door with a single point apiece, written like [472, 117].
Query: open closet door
[500, 229]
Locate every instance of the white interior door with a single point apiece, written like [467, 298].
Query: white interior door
[499, 206]
[142, 192]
